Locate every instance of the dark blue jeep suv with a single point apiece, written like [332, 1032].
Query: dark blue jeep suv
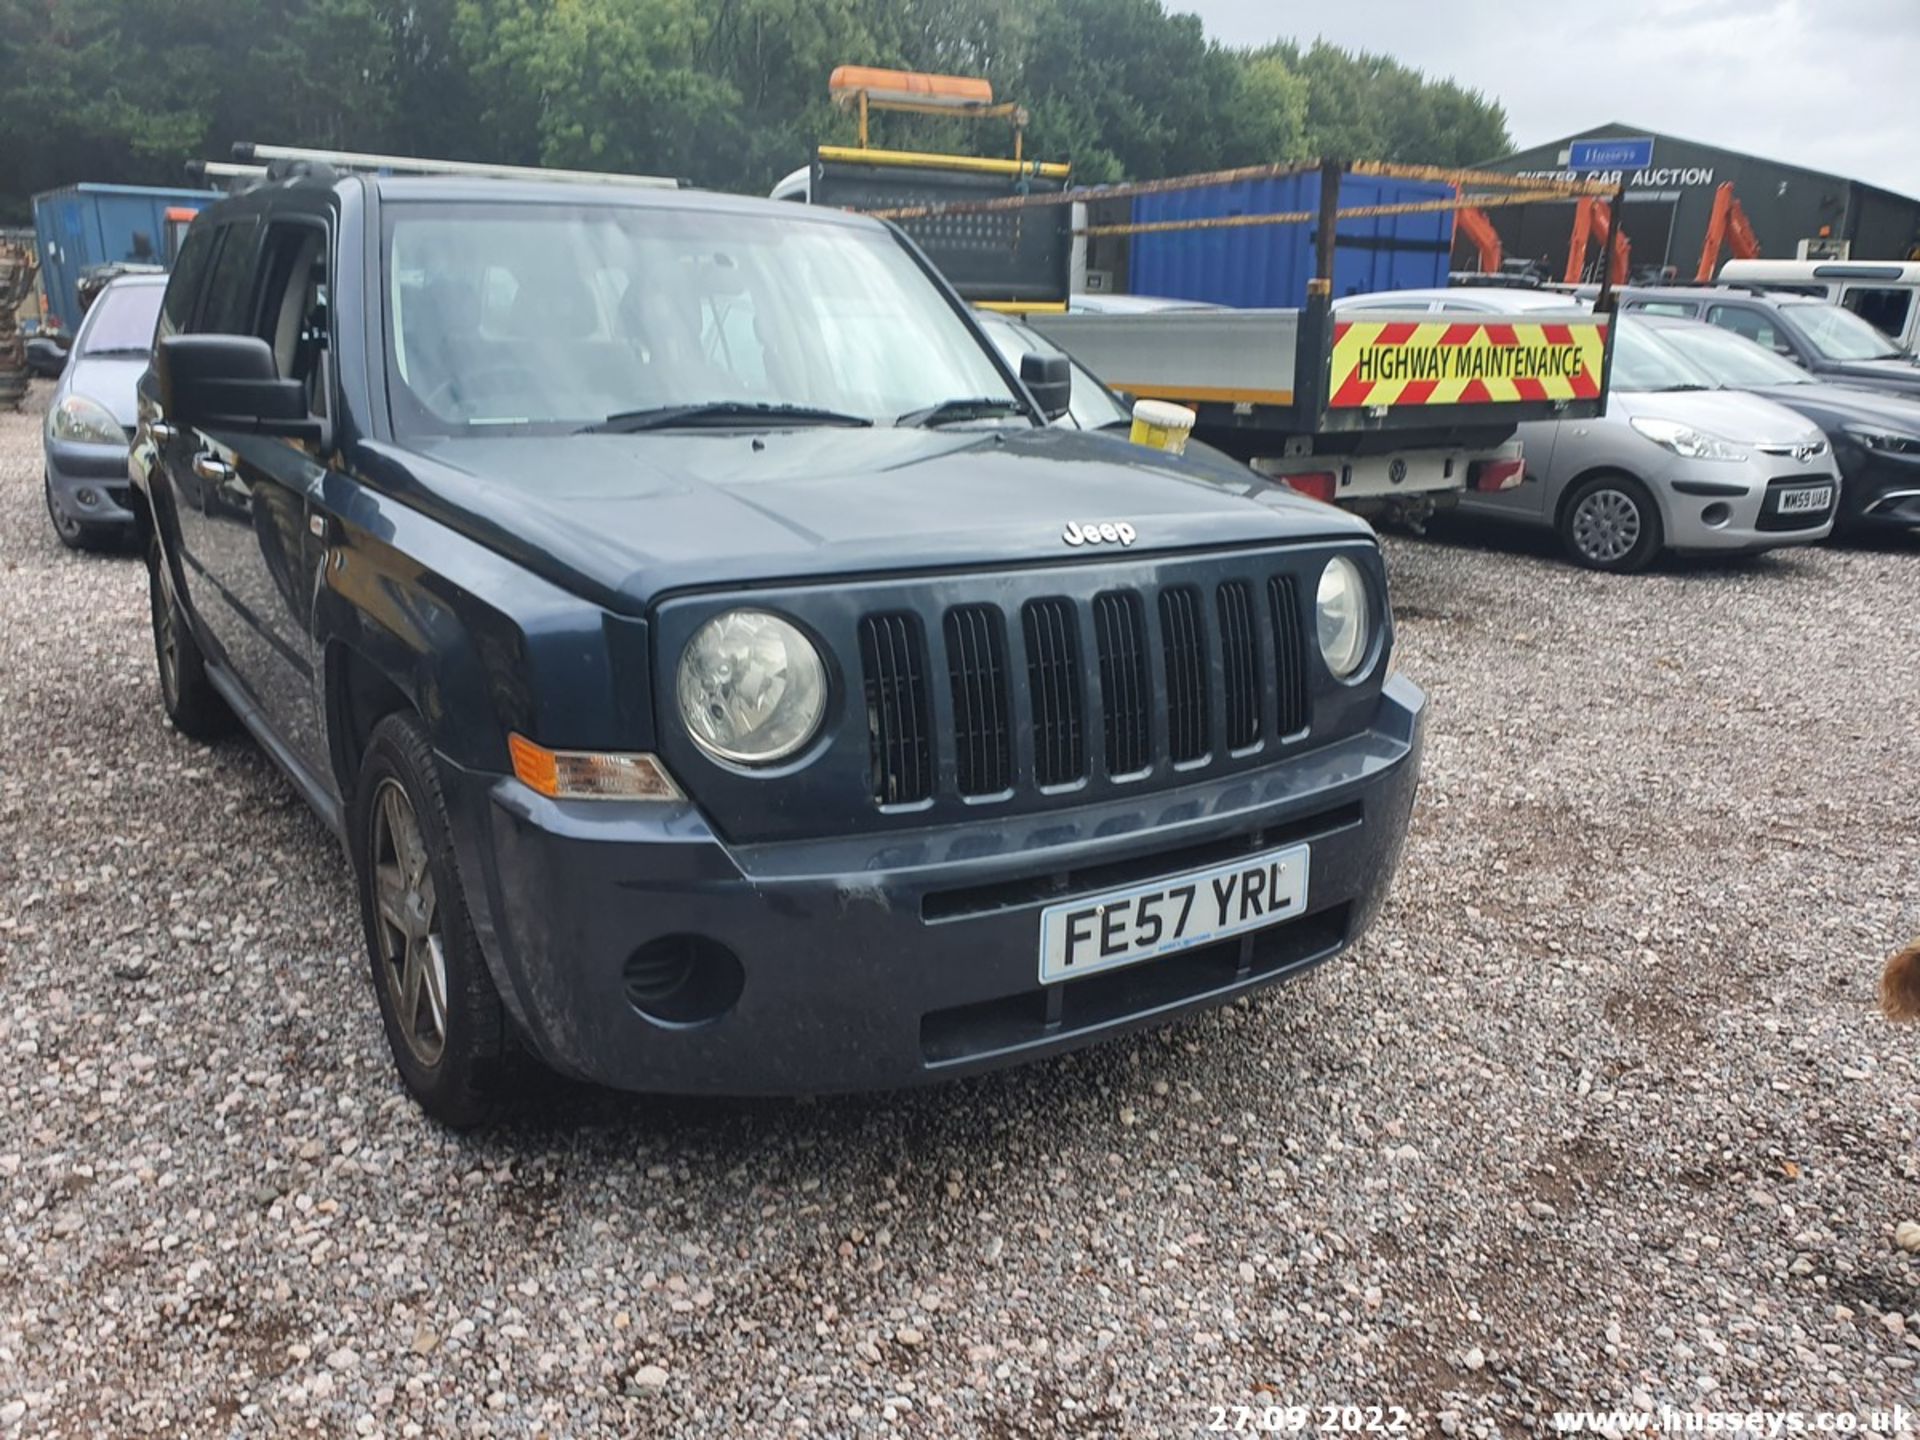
[720, 675]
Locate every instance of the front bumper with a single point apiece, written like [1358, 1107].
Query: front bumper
[1897, 509]
[1882, 489]
[876, 962]
[89, 483]
[1706, 511]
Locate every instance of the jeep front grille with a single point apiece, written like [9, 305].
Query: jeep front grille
[1242, 664]
[1290, 675]
[977, 668]
[1053, 689]
[1122, 637]
[1178, 677]
[894, 658]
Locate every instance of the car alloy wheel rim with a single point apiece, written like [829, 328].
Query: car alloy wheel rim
[1606, 525]
[411, 949]
[166, 641]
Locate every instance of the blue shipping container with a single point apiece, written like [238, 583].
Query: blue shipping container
[81, 226]
[1268, 266]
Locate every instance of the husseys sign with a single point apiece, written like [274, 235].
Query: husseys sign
[1380, 362]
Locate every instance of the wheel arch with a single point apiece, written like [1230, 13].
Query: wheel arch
[1604, 468]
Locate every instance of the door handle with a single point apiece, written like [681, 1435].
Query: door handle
[162, 432]
[212, 468]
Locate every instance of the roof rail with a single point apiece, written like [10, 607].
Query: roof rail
[257, 155]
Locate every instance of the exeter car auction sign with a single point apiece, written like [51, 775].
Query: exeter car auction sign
[1398, 362]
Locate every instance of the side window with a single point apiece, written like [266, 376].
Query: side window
[227, 310]
[183, 288]
[1753, 324]
[292, 316]
[1883, 307]
[1663, 307]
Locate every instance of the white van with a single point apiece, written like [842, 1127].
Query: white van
[1884, 293]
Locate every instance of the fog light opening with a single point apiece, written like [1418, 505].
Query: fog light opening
[1717, 514]
[683, 980]
[87, 497]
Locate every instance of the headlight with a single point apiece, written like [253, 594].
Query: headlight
[1341, 613]
[81, 419]
[1885, 441]
[1687, 441]
[751, 687]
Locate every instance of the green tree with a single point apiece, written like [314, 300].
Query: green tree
[731, 93]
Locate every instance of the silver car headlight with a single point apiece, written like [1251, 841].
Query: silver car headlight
[1340, 610]
[751, 687]
[86, 421]
[1685, 440]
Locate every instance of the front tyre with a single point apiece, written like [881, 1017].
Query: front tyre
[450, 1036]
[74, 534]
[1610, 522]
[186, 694]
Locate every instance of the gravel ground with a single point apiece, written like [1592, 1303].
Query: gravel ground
[1600, 1110]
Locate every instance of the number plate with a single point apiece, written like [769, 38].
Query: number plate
[1124, 927]
[1813, 498]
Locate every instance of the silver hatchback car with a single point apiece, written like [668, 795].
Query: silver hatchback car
[1673, 465]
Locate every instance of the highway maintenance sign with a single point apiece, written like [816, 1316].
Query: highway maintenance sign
[1449, 362]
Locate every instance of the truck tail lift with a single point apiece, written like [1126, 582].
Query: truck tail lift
[1727, 226]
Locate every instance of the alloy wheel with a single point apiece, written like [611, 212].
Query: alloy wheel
[166, 640]
[1606, 526]
[412, 951]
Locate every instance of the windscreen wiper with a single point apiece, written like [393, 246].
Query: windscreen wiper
[665, 417]
[947, 412]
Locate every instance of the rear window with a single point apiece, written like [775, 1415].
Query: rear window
[1885, 307]
[122, 321]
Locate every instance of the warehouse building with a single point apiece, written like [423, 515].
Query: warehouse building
[1671, 183]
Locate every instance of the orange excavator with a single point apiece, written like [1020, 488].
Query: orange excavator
[1593, 217]
[1727, 226]
[1472, 221]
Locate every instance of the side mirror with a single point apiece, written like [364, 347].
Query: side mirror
[45, 358]
[230, 382]
[1049, 379]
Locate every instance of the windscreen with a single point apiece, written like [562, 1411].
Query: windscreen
[1840, 334]
[1732, 360]
[558, 316]
[121, 321]
[1641, 362]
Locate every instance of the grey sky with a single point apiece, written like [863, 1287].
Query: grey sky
[1831, 84]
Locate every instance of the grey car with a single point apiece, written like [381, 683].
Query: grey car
[1674, 465]
[92, 416]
